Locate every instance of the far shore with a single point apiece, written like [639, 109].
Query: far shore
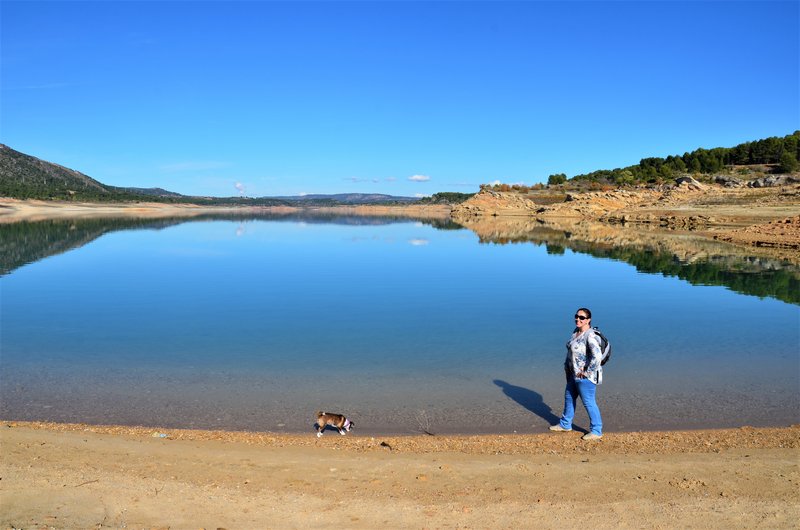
[16, 210]
[766, 228]
[84, 476]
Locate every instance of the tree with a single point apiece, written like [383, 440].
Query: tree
[558, 178]
[791, 143]
[788, 163]
[624, 177]
[678, 165]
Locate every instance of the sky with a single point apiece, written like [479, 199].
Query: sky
[404, 98]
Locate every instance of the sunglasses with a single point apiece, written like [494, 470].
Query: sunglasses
[581, 317]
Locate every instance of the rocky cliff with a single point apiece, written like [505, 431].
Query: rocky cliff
[687, 203]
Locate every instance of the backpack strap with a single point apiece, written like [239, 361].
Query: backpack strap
[589, 350]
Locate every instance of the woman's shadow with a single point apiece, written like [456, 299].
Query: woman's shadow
[530, 400]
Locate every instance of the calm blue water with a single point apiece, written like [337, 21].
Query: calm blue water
[256, 324]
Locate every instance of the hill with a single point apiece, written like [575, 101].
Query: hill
[27, 177]
[24, 176]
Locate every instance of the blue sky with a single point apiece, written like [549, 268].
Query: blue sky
[405, 98]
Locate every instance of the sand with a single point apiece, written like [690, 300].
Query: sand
[79, 476]
[17, 210]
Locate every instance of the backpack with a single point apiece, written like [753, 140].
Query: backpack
[605, 347]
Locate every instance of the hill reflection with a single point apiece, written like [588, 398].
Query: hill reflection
[27, 242]
[693, 258]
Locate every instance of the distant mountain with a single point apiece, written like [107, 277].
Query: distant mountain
[152, 192]
[348, 198]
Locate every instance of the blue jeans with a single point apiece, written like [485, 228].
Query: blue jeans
[586, 390]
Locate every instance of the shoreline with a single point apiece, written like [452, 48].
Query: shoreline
[77, 476]
[18, 210]
[677, 440]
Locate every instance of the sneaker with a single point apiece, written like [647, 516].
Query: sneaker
[558, 428]
[591, 436]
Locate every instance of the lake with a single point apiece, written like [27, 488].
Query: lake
[256, 322]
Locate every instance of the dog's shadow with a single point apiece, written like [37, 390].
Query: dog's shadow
[532, 401]
[325, 428]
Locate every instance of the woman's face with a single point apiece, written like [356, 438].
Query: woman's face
[582, 320]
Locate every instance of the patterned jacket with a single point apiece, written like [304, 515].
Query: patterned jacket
[578, 361]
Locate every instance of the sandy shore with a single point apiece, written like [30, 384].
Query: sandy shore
[79, 476]
[16, 210]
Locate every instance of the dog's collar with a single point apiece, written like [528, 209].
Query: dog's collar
[346, 423]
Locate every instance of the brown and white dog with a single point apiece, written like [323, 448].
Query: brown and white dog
[338, 421]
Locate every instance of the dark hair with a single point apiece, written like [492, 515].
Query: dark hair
[588, 313]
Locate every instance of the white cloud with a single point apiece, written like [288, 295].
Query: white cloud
[419, 178]
[418, 242]
[390, 179]
[421, 195]
[240, 187]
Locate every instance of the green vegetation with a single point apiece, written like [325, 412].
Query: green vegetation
[774, 154]
[782, 153]
[446, 197]
[788, 163]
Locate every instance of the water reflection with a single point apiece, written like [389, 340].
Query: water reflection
[698, 260]
[693, 258]
[28, 242]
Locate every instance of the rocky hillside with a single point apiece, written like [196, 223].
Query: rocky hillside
[26, 176]
[490, 202]
[687, 201]
[760, 214]
[783, 233]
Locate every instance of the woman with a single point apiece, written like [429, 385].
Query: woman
[584, 373]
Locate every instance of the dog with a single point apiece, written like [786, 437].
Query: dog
[338, 421]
